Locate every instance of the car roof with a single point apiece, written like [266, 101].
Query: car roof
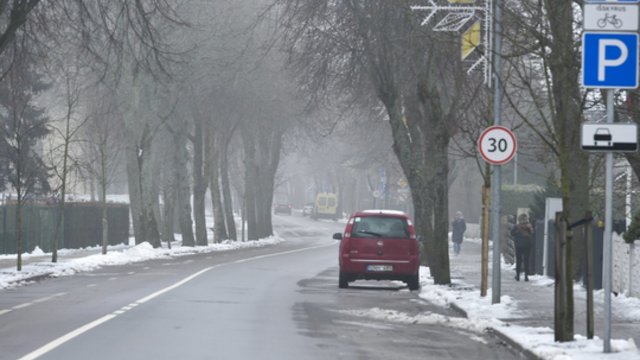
[394, 213]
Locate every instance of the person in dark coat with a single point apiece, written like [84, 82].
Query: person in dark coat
[458, 227]
[522, 235]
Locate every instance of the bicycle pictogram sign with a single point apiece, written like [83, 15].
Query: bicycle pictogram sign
[609, 19]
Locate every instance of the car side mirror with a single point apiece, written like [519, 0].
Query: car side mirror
[337, 236]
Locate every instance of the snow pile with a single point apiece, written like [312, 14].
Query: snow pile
[116, 255]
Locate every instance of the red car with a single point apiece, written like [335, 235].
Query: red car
[379, 245]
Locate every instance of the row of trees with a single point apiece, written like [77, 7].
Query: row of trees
[176, 98]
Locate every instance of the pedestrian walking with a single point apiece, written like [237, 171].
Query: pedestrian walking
[522, 235]
[458, 227]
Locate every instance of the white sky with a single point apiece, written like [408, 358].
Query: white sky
[481, 313]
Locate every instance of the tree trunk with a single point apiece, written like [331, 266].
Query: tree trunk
[425, 165]
[226, 191]
[219, 228]
[440, 202]
[105, 220]
[169, 211]
[262, 155]
[151, 198]
[135, 197]
[199, 181]
[19, 219]
[182, 187]
[574, 165]
[250, 182]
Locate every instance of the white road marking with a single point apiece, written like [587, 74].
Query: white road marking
[63, 339]
[27, 304]
[81, 330]
[92, 285]
[21, 306]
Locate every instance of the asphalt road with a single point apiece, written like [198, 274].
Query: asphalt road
[278, 302]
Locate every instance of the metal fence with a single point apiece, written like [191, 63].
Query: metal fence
[82, 226]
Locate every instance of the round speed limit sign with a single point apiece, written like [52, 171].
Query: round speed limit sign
[497, 145]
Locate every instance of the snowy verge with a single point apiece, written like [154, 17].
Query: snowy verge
[116, 255]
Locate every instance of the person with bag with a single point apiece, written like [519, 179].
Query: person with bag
[522, 235]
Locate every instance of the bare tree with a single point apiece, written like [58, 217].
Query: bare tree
[102, 144]
[65, 135]
[377, 52]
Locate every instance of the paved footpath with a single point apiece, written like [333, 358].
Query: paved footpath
[8, 263]
[536, 297]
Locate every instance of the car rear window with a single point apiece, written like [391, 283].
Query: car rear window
[380, 226]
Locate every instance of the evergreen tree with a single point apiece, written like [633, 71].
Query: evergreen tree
[22, 126]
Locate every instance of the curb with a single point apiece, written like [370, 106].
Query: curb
[37, 277]
[528, 354]
[514, 344]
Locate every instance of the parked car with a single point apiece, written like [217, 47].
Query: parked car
[307, 210]
[282, 208]
[379, 245]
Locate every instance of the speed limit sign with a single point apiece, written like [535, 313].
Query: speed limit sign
[497, 145]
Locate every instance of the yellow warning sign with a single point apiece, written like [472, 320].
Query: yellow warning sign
[470, 38]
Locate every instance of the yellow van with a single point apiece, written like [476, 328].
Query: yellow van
[325, 206]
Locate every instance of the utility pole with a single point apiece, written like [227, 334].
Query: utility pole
[496, 180]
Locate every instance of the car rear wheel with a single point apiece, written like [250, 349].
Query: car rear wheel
[414, 282]
[343, 283]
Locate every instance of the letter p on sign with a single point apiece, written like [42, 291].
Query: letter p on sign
[604, 62]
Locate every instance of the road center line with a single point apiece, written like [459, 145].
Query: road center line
[81, 330]
[27, 304]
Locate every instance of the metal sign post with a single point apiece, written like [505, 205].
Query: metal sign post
[607, 251]
[496, 178]
[610, 61]
[497, 146]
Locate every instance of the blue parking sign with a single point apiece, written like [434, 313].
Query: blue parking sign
[610, 60]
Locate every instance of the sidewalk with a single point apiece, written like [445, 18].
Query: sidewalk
[8, 263]
[535, 299]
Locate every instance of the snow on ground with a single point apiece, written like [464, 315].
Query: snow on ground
[482, 315]
[90, 259]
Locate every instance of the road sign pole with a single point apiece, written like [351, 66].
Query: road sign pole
[607, 256]
[609, 60]
[496, 177]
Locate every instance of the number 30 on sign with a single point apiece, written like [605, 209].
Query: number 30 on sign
[497, 145]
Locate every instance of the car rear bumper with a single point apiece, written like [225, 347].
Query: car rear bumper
[360, 268]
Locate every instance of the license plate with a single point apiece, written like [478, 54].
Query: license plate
[377, 268]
